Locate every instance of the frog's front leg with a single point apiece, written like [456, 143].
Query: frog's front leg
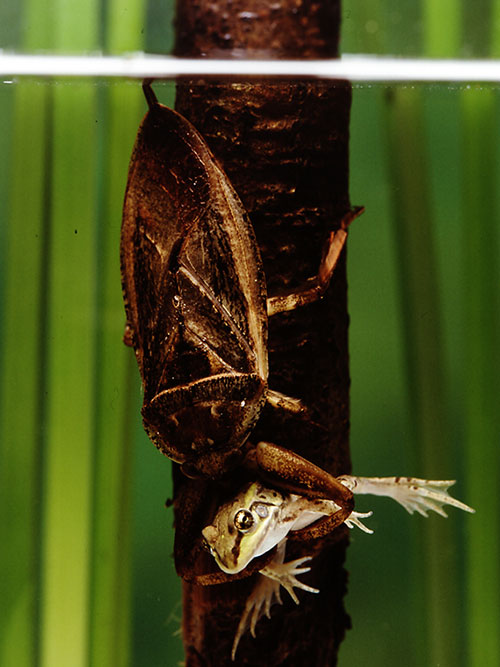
[267, 591]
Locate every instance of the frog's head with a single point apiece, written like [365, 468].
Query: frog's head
[246, 527]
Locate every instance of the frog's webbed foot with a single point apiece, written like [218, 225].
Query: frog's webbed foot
[267, 591]
[415, 495]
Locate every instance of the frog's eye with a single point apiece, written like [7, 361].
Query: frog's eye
[243, 520]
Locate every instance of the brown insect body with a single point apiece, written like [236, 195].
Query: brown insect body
[195, 297]
[197, 313]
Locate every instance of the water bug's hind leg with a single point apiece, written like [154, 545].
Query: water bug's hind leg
[315, 287]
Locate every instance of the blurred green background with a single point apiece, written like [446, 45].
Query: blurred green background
[85, 556]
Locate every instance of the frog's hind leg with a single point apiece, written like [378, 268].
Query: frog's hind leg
[315, 287]
[413, 493]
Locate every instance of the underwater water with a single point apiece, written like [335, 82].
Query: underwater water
[430, 375]
[82, 486]
[82, 520]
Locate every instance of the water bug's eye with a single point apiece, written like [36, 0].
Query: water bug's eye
[243, 520]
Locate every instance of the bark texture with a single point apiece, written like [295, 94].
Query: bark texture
[285, 148]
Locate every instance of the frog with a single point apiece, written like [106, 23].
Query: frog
[260, 518]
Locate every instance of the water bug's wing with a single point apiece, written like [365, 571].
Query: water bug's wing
[191, 270]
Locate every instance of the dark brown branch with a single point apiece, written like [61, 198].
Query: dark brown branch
[285, 149]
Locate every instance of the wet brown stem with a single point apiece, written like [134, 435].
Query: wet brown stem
[285, 148]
